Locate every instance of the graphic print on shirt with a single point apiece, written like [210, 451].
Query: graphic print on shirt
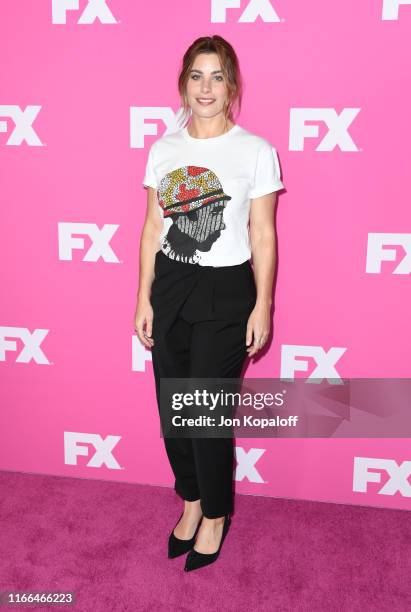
[194, 199]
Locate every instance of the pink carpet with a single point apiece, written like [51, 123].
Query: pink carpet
[107, 542]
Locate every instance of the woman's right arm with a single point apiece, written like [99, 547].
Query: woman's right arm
[149, 242]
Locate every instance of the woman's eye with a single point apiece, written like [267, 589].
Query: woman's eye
[195, 77]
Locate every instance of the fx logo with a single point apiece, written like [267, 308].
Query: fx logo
[294, 359]
[246, 464]
[139, 128]
[78, 444]
[95, 9]
[139, 355]
[397, 475]
[253, 10]
[376, 253]
[337, 134]
[290, 362]
[31, 350]
[100, 241]
[23, 122]
[390, 9]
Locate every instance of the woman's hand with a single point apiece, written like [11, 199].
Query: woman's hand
[144, 318]
[258, 328]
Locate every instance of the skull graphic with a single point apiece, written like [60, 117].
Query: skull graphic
[193, 198]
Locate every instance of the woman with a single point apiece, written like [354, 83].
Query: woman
[200, 306]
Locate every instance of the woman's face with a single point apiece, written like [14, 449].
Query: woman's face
[206, 87]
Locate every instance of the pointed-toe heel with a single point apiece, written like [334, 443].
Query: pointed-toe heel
[195, 560]
[177, 547]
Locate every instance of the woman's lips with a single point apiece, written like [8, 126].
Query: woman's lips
[205, 101]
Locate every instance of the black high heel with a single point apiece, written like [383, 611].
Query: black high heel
[196, 560]
[177, 547]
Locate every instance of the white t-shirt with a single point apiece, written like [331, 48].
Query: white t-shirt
[204, 187]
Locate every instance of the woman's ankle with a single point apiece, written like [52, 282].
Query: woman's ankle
[192, 507]
[214, 521]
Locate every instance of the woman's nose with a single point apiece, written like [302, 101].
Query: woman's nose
[206, 86]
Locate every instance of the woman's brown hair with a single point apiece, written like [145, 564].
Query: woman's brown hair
[229, 66]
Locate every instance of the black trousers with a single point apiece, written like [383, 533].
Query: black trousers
[199, 330]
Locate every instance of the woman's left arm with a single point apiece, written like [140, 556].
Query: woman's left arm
[263, 246]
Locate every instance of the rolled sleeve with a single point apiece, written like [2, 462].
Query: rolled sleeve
[267, 177]
[150, 179]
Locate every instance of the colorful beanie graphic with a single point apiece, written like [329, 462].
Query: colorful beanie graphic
[195, 200]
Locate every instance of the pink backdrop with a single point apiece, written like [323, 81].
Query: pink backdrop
[85, 88]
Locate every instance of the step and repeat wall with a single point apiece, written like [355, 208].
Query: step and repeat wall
[86, 86]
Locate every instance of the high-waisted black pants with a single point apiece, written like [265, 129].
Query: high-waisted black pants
[199, 330]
